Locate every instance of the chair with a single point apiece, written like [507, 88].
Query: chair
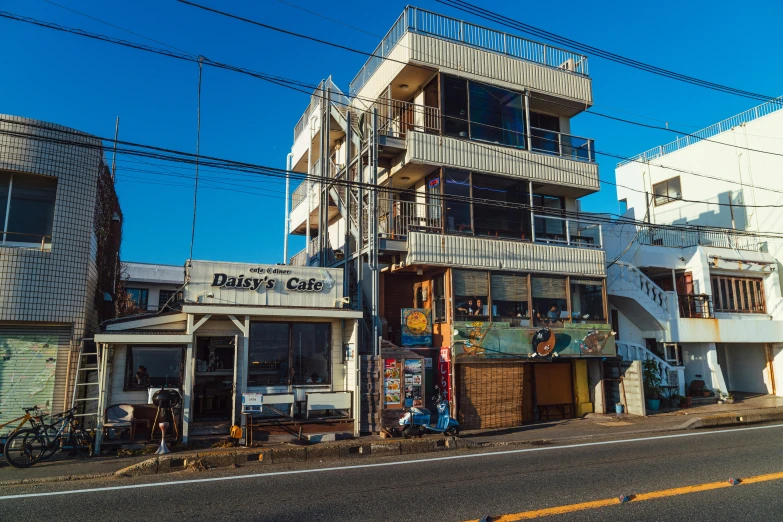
[121, 416]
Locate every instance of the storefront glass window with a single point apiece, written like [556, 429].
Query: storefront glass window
[510, 299]
[289, 353]
[438, 299]
[268, 354]
[310, 344]
[154, 366]
[471, 289]
[550, 307]
[587, 301]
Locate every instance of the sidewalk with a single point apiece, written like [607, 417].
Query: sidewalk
[592, 426]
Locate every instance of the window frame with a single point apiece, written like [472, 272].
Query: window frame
[724, 288]
[143, 302]
[439, 298]
[161, 301]
[130, 367]
[668, 198]
[6, 210]
[329, 365]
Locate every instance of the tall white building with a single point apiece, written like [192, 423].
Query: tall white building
[706, 300]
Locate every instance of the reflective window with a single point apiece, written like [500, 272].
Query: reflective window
[139, 296]
[502, 215]
[457, 201]
[154, 366]
[29, 202]
[587, 301]
[455, 107]
[310, 352]
[289, 353]
[667, 191]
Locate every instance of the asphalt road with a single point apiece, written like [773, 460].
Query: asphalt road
[442, 487]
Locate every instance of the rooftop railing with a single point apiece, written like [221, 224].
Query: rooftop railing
[697, 236]
[708, 132]
[428, 23]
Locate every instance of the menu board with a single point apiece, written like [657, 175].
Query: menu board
[413, 381]
[391, 382]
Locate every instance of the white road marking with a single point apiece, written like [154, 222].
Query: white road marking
[382, 464]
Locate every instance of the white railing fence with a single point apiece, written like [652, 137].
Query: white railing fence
[630, 276]
[670, 375]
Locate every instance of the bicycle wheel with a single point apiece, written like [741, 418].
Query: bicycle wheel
[80, 442]
[50, 437]
[24, 448]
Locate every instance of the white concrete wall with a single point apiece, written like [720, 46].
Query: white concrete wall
[702, 359]
[746, 368]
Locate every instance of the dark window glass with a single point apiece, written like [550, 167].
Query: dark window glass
[587, 301]
[667, 191]
[5, 180]
[165, 295]
[505, 218]
[439, 299]
[496, 115]
[311, 349]
[457, 184]
[434, 202]
[544, 133]
[269, 354]
[548, 226]
[153, 366]
[32, 208]
[139, 296]
[455, 107]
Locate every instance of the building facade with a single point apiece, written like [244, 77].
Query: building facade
[270, 331]
[451, 186]
[706, 301]
[150, 285]
[53, 182]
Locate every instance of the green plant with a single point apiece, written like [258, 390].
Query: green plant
[652, 380]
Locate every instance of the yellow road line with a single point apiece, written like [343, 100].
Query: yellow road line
[570, 508]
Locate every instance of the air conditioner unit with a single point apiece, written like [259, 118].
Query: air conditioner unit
[568, 65]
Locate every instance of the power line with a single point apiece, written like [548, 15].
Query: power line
[529, 29]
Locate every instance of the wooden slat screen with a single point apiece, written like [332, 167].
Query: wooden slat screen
[508, 287]
[549, 287]
[738, 294]
[470, 283]
[490, 395]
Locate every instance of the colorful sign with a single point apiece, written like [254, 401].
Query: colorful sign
[444, 372]
[416, 327]
[413, 381]
[391, 382]
[482, 340]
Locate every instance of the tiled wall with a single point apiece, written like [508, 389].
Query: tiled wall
[56, 286]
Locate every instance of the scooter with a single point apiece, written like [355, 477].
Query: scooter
[416, 421]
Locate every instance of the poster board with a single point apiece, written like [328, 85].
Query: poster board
[416, 327]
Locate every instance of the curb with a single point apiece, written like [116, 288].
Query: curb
[719, 421]
[291, 454]
[57, 478]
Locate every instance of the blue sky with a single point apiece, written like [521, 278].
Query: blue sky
[85, 84]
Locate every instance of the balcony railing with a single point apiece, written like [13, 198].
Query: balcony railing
[397, 218]
[697, 236]
[299, 259]
[428, 23]
[694, 306]
[559, 144]
[336, 96]
[396, 118]
[567, 231]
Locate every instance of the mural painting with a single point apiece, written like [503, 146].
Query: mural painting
[483, 340]
[416, 327]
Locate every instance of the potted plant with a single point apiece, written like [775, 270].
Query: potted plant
[729, 399]
[652, 384]
[719, 395]
[706, 392]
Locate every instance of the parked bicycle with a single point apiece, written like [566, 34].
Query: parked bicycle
[27, 446]
[28, 416]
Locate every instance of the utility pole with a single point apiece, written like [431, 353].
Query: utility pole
[198, 146]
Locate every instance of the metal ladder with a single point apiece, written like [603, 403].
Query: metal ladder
[86, 393]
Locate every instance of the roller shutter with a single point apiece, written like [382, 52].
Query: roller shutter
[33, 367]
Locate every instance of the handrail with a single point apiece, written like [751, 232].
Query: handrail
[716, 128]
[697, 236]
[637, 352]
[414, 19]
[644, 284]
[561, 144]
[336, 95]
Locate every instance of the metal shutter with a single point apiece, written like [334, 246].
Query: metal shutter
[33, 367]
[507, 287]
[470, 283]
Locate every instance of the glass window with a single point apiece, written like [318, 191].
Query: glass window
[138, 296]
[154, 366]
[667, 191]
[587, 301]
[439, 299]
[31, 213]
[434, 202]
[5, 186]
[544, 133]
[471, 289]
[496, 115]
[455, 107]
[510, 299]
[165, 295]
[500, 220]
[550, 307]
[458, 218]
[310, 352]
[548, 227]
[269, 354]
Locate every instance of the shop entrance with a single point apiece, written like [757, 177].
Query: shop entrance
[213, 386]
[554, 390]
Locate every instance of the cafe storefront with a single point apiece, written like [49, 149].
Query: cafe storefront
[280, 335]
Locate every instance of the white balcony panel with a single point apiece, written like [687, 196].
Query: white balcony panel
[384, 74]
[476, 252]
[299, 150]
[492, 159]
[495, 68]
